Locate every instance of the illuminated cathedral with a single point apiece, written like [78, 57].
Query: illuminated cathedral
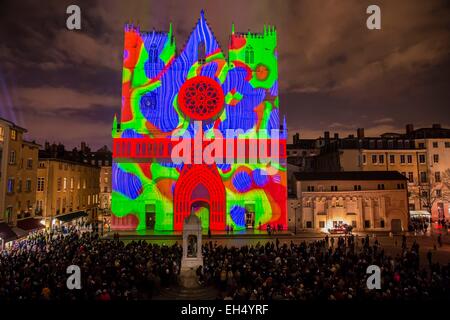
[169, 94]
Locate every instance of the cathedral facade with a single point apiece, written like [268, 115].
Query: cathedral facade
[178, 111]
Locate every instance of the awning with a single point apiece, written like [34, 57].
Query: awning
[30, 224]
[6, 232]
[419, 214]
[72, 216]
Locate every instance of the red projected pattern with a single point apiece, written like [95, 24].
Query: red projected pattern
[201, 98]
[192, 177]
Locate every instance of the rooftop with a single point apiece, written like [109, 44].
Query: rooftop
[349, 175]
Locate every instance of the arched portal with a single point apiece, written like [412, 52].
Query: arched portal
[201, 209]
[199, 183]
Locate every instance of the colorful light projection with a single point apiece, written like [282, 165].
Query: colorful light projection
[162, 94]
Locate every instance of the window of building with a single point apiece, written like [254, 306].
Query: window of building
[28, 185]
[374, 158]
[364, 159]
[435, 144]
[13, 134]
[93, 162]
[84, 183]
[381, 186]
[334, 188]
[390, 144]
[105, 189]
[379, 144]
[410, 177]
[106, 162]
[2, 134]
[201, 52]
[447, 144]
[58, 184]
[41, 164]
[437, 176]
[410, 158]
[422, 158]
[423, 177]
[381, 158]
[310, 188]
[40, 184]
[438, 193]
[366, 223]
[402, 158]
[65, 184]
[29, 163]
[382, 223]
[391, 158]
[435, 158]
[19, 185]
[421, 145]
[10, 186]
[249, 55]
[12, 157]
[71, 183]
[353, 223]
[309, 224]
[322, 224]
[153, 53]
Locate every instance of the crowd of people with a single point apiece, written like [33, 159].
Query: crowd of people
[321, 270]
[419, 225]
[36, 268]
[330, 269]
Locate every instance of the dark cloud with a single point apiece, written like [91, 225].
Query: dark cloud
[334, 73]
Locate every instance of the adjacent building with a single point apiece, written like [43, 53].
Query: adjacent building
[67, 187]
[368, 201]
[18, 165]
[422, 156]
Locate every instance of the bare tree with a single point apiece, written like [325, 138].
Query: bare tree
[430, 194]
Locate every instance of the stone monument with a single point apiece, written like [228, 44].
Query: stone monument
[192, 251]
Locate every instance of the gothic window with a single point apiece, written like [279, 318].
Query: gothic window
[153, 54]
[148, 103]
[201, 52]
[249, 55]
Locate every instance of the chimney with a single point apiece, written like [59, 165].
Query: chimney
[351, 136]
[360, 133]
[296, 138]
[436, 126]
[336, 136]
[326, 135]
[83, 146]
[409, 128]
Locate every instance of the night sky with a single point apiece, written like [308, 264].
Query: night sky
[334, 73]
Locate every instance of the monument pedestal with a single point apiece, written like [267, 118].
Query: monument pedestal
[192, 252]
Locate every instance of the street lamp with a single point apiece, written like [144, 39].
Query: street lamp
[295, 207]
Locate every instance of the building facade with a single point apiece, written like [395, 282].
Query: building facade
[198, 92]
[66, 188]
[18, 167]
[368, 201]
[422, 156]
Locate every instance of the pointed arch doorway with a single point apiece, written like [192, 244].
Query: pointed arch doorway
[199, 184]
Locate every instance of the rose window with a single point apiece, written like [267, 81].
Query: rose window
[201, 98]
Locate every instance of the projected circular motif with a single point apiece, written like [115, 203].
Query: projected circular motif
[201, 98]
[262, 72]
